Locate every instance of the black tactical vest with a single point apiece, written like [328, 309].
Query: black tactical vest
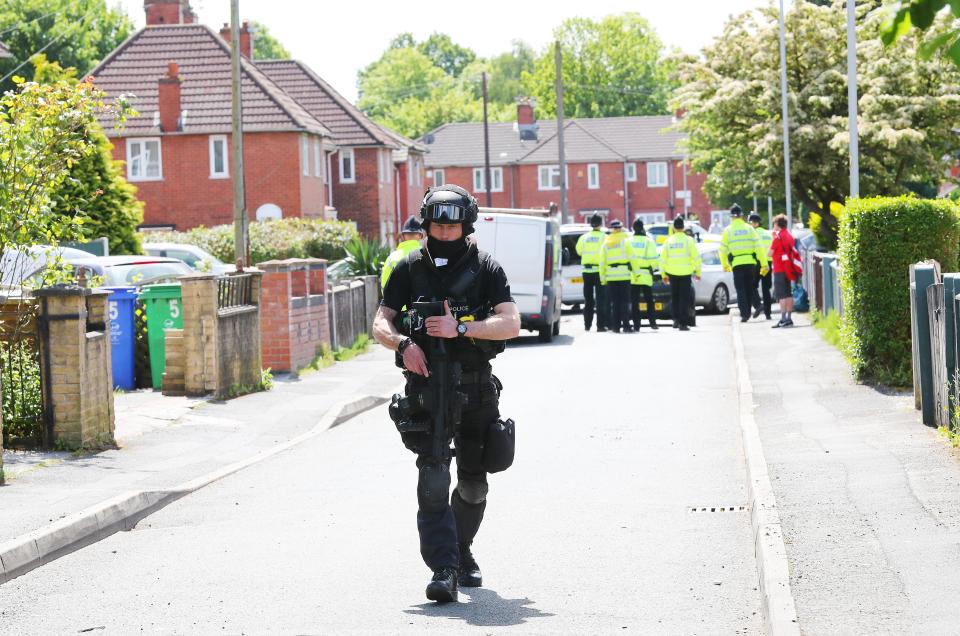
[461, 289]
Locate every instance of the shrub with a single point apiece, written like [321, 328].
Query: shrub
[270, 240]
[365, 257]
[879, 239]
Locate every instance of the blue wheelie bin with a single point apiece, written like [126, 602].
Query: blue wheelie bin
[121, 307]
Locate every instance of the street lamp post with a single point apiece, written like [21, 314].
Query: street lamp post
[786, 121]
[852, 98]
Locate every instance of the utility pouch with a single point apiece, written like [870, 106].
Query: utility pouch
[499, 446]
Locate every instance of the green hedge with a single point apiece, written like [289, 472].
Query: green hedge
[879, 239]
[269, 240]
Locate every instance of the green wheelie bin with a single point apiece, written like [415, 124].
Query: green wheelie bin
[164, 311]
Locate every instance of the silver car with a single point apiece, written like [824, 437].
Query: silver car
[714, 290]
[197, 258]
[572, 271]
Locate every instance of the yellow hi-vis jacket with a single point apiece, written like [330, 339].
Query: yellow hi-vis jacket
[743, 243]
[615, 258]
[766, 238]
[394, 259]
[679, 256]
[643, 259]
[588, 247]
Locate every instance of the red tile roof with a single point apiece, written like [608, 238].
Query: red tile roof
[204, 61]
[349, 125]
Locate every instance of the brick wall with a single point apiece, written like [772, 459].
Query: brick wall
[367, 201]
[294, 321]
[187, 196]
[523, 181]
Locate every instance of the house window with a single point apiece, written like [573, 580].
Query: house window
[409, 170]
[218, 157]
[416, 167]
[593, 176]
[631, 172]
[657, 174]
[381, 177]
[143, 159]
[388, 165]
[548, 177]
[649, 218]
[317, 161]
[496, 179]
[438, 177]
[305, 155]
[346, 166]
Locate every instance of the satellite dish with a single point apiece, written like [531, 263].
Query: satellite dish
[268, 212]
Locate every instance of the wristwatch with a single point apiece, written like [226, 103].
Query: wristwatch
[461, 329]
[406, 342]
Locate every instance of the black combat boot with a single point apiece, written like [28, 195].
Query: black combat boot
[442, 588]
[469, 575]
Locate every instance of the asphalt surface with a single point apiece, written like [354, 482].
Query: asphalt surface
[620, 439]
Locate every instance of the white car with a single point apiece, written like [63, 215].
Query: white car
[714, 290]
[572, 270]
[197, 258]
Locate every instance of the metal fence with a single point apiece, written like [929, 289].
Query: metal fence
[935, 335]
[821, 278]
[20, 373]
[234, 290]
[352, 307]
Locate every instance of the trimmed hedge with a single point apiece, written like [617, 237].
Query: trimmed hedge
[269, 240]
[879, 239]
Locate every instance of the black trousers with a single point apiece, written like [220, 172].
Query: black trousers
[444, 522]
[619, 293]
[744, 279]
[646, 293]
[594, 299]
[681, 289]
[763, 299]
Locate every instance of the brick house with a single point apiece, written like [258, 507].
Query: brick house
[177, 150]
[374, 169]
[622, 167]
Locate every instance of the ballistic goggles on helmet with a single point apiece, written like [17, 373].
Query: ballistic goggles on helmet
[445, 213]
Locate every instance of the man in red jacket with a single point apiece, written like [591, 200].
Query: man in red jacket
[781, 255]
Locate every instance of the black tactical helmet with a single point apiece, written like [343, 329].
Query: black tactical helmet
[754, 217]
[736, 210]
[412, 226]
[596, 220]
[448, 204]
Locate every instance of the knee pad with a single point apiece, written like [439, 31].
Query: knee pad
[472, 492]
[433, 487]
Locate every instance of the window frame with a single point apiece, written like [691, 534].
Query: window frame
[631, 171]
[317, 158]
[552, 167]
[419, 174]
[343, 154]
[591, 183]
[666, 176]
[443, 177]
[213, 139]
[304, 156]
[143, 141]
[388, 167]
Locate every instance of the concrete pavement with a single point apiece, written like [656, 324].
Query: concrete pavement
[867, 495]
[625, 444]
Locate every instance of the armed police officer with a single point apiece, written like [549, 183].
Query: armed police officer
[446, 361]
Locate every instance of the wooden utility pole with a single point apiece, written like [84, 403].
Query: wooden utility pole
[564, 214]
[486, 146]
[240, 221]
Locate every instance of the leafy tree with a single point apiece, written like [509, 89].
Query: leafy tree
[75, 33]
[922, 14]
[732, 103]
[265, 46]
[504, 76]
[95, 189]
[611, 67]
[405, 91]
[448, 56]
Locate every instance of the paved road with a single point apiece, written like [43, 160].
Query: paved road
[592, 531]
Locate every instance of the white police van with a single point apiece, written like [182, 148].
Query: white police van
[527, 244]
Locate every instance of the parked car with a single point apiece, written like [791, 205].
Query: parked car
[338, 272]
[528, 247]
[23, 267]
[572, 270]
[714, 291]
[661, 232]
[197, 258]
[137, 270]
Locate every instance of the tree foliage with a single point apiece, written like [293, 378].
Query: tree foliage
[732, 101]
[450, 57]
[74, 33]
[95, 190]
[922, 14]
[265, 45]
[611, 67]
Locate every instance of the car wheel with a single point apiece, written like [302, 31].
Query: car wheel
[546, 334]
[720, 301]
[556, 328]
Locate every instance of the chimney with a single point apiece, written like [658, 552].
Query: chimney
[168, 99]
[525, 113]
[168, 12]
[246, 38]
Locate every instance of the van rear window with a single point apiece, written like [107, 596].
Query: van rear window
[569, 241]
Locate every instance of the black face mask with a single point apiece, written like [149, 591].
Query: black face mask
[453, 251]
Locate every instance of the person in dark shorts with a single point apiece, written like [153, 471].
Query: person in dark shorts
[781, 253]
